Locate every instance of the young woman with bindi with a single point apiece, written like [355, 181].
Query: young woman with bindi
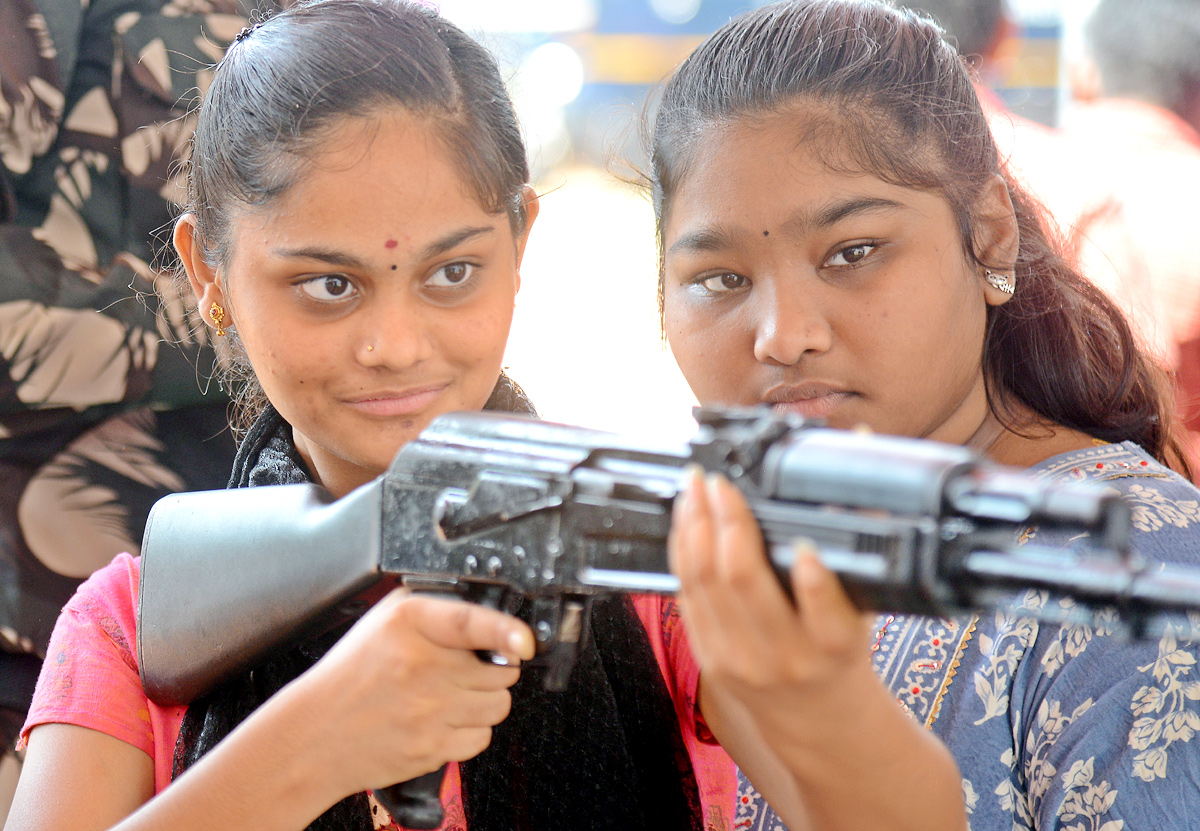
[840, 240]
[358, 210]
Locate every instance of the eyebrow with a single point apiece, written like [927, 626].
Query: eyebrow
[703, 241]
[832, 214]
[454, 239]
[343, 259]
[720, 239]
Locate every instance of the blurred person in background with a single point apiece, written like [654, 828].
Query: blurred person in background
[1116, 176]
[105, 405]
[984, 32]
[1134, 121]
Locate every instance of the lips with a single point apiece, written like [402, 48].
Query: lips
[811, 399]
[388, 403]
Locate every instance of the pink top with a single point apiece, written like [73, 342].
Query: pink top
[90, 678]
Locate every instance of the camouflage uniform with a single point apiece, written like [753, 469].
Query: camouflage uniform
[105, 402]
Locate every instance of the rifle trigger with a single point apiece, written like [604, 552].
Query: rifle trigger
[571, 627]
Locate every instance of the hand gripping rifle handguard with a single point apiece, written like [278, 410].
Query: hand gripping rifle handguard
[518, 513]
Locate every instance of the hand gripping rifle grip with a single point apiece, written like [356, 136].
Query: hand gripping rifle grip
[417, 803]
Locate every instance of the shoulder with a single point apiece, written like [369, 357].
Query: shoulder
[106, 604]
[115, 586]
[1108, 463]
[90, 675]
[1165, 506]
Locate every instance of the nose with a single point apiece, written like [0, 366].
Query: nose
[788, 323]
[395, 335]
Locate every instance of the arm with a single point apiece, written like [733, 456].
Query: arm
[79, 349]
[87, 327]
[401, 694]
[790, 690]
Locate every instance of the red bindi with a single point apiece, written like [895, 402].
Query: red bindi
[390, 244]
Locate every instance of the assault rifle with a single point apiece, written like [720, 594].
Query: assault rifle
[514, 512]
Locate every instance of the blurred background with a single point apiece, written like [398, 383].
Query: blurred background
[586, 343]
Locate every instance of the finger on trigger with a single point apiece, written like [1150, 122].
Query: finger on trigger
[457, 624]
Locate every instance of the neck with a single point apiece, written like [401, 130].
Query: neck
[989, 432]
[1023, 439]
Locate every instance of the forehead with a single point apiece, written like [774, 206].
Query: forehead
[392, 163]
[391, 142]
[849, 137]
[752, 181]
[764, 162]
[380, 187]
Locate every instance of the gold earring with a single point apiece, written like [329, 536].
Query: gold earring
[218, 315]
[1000, 281]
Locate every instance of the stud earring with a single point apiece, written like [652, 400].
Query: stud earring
[218, 316]
[1000, 281]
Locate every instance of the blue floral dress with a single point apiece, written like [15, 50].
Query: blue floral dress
[1069, 727]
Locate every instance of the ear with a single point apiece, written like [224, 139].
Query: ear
[532, 205]
[204, 279]
[997, 236]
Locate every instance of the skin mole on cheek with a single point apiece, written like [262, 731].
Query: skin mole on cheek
[393, 268]
[766, 233]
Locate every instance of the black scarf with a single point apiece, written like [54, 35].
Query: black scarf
[606, 753]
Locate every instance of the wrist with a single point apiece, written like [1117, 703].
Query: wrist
[857, 750]
[302, 744]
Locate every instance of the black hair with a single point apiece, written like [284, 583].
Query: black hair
[1147, 49]
[284, 84]
[900, 101]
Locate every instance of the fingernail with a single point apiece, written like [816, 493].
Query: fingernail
[806, 546]
[807, 559]
[713, 483]
[520, 643]
[692, 473]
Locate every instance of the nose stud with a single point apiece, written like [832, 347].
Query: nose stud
[370, 348]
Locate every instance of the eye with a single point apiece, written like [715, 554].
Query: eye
[329, 287]
[449, 276]
[724, 282]
[851, 254]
